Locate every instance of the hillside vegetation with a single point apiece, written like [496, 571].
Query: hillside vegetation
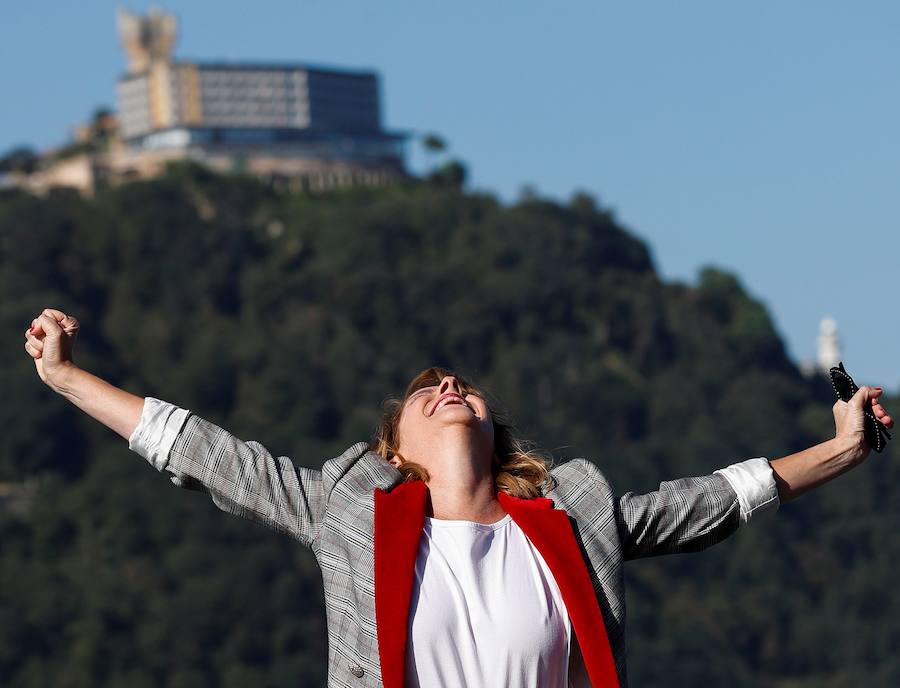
[288, 318]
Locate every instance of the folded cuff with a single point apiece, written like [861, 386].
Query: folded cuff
[157, 430]
[754, 482]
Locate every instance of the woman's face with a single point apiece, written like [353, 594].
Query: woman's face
[438, 411]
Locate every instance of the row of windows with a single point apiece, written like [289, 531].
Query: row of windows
[327, 99]
[232, 93]
[210, 114]
[126, 104]
[360, 114]
[356, 90]
[263, 120]
[136, 97]
[133, 85]
[134, 115]
[225, 78]
[256, 122]
[251, 108]
[338, 87]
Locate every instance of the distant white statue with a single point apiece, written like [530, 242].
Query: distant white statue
[829, 345]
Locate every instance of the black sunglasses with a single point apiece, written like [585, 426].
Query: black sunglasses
[844, 386]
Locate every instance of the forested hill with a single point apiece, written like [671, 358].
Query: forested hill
[288, 317]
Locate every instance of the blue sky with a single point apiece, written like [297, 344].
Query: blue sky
[760, 138]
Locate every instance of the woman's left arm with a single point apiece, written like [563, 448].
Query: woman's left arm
[691, 514]
[807, 469]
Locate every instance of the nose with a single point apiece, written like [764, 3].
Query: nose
[449, 384]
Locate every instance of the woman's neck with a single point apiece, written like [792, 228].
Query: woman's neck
[458, 502]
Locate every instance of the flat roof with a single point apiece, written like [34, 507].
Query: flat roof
[248, 65]
[251, 65]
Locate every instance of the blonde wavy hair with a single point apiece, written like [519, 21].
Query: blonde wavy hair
[519, 469]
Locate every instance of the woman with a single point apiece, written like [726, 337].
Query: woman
[451, 554]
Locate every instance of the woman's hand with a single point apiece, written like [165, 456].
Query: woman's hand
[49, 341]
[848, 420]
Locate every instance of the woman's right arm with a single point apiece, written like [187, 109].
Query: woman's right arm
[242, 478]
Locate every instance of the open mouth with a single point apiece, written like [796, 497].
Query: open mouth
[449, 399]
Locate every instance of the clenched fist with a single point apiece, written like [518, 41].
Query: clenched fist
[49, 341]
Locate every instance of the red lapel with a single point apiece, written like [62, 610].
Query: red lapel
[551, 533]
[399, 520]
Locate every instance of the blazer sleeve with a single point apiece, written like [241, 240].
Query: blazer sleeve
[242, 477]
[692, 514]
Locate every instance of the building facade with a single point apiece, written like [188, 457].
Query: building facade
[305, 126]
[293, 116]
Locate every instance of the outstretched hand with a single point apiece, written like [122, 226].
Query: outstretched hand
[849, 419]
[49, 341]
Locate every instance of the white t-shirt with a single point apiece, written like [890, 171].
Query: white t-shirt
[485, 610]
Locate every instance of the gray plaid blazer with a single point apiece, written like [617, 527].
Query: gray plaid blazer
[332, 511]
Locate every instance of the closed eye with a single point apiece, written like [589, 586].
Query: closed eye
[418, 393]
